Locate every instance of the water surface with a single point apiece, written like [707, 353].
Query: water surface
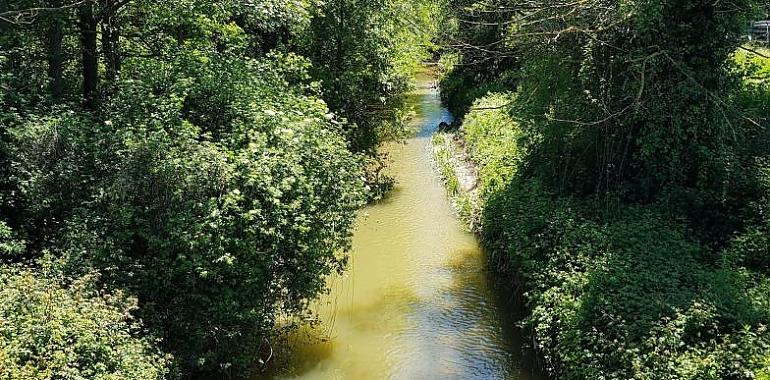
[416, 302]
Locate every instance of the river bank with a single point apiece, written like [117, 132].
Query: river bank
[460, 175]
[463, 183]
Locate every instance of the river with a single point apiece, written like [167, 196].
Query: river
[416, 302]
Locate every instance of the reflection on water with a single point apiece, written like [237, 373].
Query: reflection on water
[415, 302]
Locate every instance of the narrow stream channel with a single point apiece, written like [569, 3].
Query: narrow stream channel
[416, 302]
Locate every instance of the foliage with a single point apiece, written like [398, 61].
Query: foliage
[489, 137]
[227, 222]
[492, 138]
[625, 295]
[445, 155]
[752, 66]
[365, 53]
[377, 181]
[205, 173]
[626, 178]
[645, 116]
[476, 31]
[52, 328]
[623, 99]
[9, 246]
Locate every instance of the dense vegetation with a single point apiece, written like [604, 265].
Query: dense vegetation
[624, 161]
[179, 177]
[51, 330]
[176, 176]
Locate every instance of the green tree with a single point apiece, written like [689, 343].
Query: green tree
[204, 176]
[365, 53]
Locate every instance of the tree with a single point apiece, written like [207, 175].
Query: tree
[186, 152]
[364, 52]
[88, 24]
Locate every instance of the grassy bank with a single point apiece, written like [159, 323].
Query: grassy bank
[460, 183]
[478, 159]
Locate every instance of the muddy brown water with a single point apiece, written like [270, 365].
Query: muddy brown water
[417, 301]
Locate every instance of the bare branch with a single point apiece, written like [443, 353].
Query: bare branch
[27, 16]
[755, 52]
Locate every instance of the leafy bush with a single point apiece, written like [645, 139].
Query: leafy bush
[489, 136]
[217, 219]
[481, 64]
[187, 152]
[365, 54]
[466, 202]
[625, 295]
[9, 246]
[459, 89]
[51, 328]
[492, 138]
[444, 155]
[753, 67]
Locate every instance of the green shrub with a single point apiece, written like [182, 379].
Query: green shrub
[625, 295]
[492, 138]
[9, 246]
[444, 156]
[460, 90]
[753, 67]
[365, 54]
[625, 183]
[56, 329]
[217, 219]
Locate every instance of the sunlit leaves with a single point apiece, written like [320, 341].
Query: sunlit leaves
[53, 328]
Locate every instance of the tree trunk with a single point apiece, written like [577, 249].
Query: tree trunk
[54, 38]
[88, 41]
[110, 39]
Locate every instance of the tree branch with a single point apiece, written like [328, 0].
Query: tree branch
[26, 16]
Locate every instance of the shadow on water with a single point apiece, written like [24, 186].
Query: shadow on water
[417, 301]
